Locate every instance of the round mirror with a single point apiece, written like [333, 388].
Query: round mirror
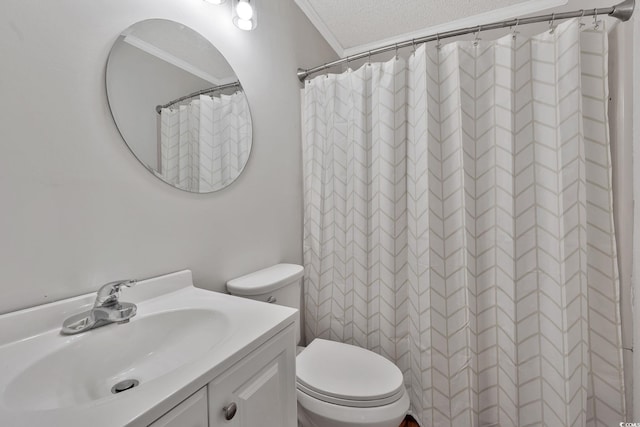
[179, 106]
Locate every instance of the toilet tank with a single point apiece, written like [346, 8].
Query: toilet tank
[278, 284]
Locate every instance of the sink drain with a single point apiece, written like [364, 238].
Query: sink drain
[124, 386]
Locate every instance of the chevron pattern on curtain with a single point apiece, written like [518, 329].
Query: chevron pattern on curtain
[458, 221]
[205, 144]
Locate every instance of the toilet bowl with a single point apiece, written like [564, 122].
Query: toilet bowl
[316, 413]
[338, 385]
[341, 385]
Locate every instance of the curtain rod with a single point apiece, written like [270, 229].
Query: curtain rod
[198, 93]
[621, 11]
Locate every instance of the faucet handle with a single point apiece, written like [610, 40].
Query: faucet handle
[108, 294]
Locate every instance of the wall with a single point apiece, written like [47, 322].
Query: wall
[79, 210]
[137, 83]
[635, 93]
[620, 126]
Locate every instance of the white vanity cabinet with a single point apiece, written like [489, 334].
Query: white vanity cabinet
[190, 413]
[258, 390]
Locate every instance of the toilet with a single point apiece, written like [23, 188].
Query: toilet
[338, 385]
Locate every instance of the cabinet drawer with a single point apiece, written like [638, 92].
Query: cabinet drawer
[192, 412]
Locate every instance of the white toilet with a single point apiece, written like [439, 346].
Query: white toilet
[339, 385]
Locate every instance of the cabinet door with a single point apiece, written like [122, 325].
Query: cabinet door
[261, 386]
[192, 412]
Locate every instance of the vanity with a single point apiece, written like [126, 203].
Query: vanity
[189, 358]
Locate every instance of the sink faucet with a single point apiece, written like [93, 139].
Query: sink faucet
[106, 309]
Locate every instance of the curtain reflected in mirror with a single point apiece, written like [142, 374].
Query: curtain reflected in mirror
[205, 144]
[179, 106]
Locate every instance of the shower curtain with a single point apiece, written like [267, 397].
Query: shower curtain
[205, 144]
[458, 221]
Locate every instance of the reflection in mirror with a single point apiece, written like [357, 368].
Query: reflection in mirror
[179, 106]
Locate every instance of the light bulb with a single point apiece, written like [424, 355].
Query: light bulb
[244, 14]
[244, 24]
[244, 10]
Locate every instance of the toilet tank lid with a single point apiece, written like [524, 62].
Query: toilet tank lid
[265, 280]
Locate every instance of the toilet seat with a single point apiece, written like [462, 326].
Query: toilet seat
[351, 403]
[347, 375]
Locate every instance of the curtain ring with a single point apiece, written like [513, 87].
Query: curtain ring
[476, 40]
[515, 29]
[438, 45]
[596, 23]
[369, 56]
[348, 68]
[553, 20]
[326, 67]
[413, 43]
[396, 51]
[580, 23]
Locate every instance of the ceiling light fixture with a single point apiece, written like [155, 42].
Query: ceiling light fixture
[244, 14]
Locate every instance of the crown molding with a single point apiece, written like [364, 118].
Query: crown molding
[317, 22]
[171, 59]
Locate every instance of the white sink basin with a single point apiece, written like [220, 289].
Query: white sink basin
[90, 365]
[181, 338]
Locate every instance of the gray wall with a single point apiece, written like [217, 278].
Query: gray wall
[621, 131]
[137, 82]
[79, 210]
[634, 93]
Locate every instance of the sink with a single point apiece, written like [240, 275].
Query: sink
[181, 338]
[89, 366]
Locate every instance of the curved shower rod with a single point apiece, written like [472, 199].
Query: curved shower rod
[621, 11]
[198, 93]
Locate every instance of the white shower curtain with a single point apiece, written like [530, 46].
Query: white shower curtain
[458, 221]
[205, 144]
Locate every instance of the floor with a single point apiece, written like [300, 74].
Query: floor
[409, 422]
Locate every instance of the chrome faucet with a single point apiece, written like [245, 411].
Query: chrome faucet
[106, 309]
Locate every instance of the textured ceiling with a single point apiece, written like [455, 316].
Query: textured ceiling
[351, 24]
